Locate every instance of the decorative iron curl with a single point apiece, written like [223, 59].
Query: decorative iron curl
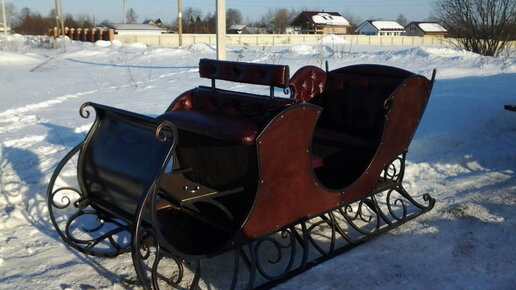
[395, 169]
[397, 201]
[360, 214]
[173, 281]
[88, 245]
[287, 91]
[83, 111]
[287, 234]
[160, 134]
[65, 200]
[332, 223]
[426, 197]
[147, 245]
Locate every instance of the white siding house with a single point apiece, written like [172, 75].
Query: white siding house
[380, 27]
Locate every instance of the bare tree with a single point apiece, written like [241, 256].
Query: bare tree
[131, 16]
[354, 21]
[190, 19]
[25, 12]
[211, 23]
[11, 15]
[233, 16]
[277, 20]
[85, 21]
[481, 26]
[402, 20]
[33, 23]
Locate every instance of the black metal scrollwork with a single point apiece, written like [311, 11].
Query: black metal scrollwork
[160, 133]
[270, 259]
[83, 112]
[79, 225]
[278, 244]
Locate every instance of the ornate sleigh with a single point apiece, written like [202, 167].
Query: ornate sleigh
[274, 185]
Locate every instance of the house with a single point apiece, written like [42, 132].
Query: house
[126, 29]
[245, 29]
[236, 29]
[2, 28]
[425, 29]
[156, 23]
[380, 27]
[314, 22]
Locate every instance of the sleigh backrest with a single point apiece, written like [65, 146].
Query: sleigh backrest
[271, 75]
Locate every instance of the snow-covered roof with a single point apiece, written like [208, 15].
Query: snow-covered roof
[237, 27]
[122, 26]
[328, 19]
[431, 27]
[386, 25]
[323, 18]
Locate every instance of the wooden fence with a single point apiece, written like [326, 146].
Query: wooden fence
[85, 34]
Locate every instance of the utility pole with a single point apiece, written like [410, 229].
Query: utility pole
[5, 19]
[221, 30]
[180, 23]
[125, 14]
[56, 11]
[61, 18]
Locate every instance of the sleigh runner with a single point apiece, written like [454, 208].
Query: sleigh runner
[279, 184]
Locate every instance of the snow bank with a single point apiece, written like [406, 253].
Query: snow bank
[332, 40]
[302, 49]
[103, 43]
[201, 48]
[14, 59]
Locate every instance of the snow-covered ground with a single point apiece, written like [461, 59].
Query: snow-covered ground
[464, 155]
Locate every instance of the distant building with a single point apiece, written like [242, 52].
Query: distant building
[236, 29]
[245, 29]
[314, 22]
[425, 29]
[156, 23]
[380, 27]
[125, 29]
[2, 28]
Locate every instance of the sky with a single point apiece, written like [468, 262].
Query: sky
[166, 10]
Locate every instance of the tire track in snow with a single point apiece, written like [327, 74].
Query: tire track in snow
[18, 119]
[44, 104]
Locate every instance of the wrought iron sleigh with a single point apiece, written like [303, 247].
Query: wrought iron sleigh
[273, 185]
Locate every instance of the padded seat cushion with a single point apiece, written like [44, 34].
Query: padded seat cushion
[221, 126]
[225, 115]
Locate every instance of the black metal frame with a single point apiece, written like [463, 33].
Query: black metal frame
[295, 248]
[62, 199]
